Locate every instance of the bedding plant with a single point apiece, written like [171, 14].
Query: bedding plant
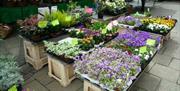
[136, 42]
[160, 25]
[110, 68]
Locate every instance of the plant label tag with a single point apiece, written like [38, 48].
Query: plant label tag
[104, 31]
[74, 41]
[13, 88]
[68, 18]
[55, 22]
[150, 42]
[143, 49]
[42, 24]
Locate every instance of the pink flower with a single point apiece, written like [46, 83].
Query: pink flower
[88, 10]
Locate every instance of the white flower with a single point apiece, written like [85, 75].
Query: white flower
[119, 80]
[115, 22]
[146, 57]
[140, 55]
[109, 26]
[136, 50]
[151, 52]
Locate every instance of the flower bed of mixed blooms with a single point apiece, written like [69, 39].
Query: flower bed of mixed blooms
[99, 31]
[136, 42]
[110, 68]
[160, 25]
[52, 25]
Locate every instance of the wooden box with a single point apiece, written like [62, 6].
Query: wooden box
[88, 86]
[35, 54]
[61, 71]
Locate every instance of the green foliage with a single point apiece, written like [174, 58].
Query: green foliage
[65, 48]
[9, 72]
[65, 19]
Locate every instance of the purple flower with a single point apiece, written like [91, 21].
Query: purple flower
[133, 38]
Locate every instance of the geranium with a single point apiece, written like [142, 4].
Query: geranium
[88, 10]
[112, 68]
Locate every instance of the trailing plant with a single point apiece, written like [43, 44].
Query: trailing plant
[63, 48]
[9, 72]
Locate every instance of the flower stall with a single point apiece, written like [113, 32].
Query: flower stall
[34, 31]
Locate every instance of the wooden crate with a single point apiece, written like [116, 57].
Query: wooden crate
[88, 86]
[35, 54]
[61, 71]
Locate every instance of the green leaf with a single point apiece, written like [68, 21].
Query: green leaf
[104, 31]
[42, 24]
[55, 22]
[150, 42]
[13, 88]
[143, 49]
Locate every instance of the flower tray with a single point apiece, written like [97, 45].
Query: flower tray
[143, 27]
[121, 11]
[40, 37]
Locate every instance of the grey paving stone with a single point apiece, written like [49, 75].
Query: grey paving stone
[165, 72]
[175, 64]
[42, 76]
[172, 49]
[151, 64]
[74, 86]
[168, 86]
[27, 68]
[35, 86]
[135, 88]
[178, 82]
[81, 89]
[148, 82]
[163, 60]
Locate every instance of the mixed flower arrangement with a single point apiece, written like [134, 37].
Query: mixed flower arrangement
[161, 25]
[108, 67]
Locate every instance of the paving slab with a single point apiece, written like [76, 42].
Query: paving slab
[148, 82]
[42, 76]
[165, 72]
[56, 86]
[35, 86]
[168, 86]
[163, 60]
[135, 88]
[175, 64]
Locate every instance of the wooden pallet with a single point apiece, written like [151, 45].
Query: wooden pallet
[88, 86]
[35, 54]
[61, 71]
